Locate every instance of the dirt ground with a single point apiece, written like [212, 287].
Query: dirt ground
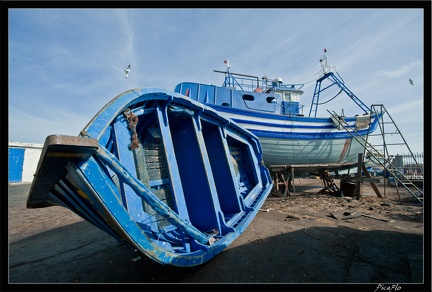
[309, 240]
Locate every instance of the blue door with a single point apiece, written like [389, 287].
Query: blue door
[16, 162]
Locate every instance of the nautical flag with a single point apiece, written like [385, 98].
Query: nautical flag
[325, 51]
[227, 64]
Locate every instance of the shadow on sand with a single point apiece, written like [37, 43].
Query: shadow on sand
[81, 253]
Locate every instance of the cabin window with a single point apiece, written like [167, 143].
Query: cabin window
[248, 97]
[287, 96]
[226, 104]
[271, 99]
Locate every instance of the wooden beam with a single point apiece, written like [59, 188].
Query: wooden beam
[377, 192]
[366, 179]
[358, 186]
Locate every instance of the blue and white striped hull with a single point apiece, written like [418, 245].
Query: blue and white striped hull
[299, 140]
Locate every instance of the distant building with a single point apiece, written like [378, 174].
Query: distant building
[23, 160]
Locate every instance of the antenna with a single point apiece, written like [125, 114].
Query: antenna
[228, 75]
[323, 60]
[227, 64]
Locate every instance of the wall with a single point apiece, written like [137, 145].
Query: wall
[23, 160]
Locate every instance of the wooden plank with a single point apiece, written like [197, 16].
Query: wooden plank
[155, 165]
[366, 179]
[374, 187]
[358, 186]
[152, 152]
[376, 218]
[155, 174]
[324, 165]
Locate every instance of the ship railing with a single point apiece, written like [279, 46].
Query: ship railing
[327, 69]
[254, 83]
[246, 84]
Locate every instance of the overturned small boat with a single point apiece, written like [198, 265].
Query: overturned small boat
[164, 174]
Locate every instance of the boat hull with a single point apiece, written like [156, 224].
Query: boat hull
[289, 139]
[191, 186]
[296, 152]
[302, 141]
[310, 154]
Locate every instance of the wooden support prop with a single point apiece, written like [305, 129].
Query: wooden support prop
[373, 185]
[358, 187]
[286, 191]
[292, 180]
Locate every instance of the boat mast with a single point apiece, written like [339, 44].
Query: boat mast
[328, 72]
[231, 81]
[227, 82]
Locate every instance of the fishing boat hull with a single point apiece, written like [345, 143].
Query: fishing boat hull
[288, 139]
[303, 140]
[166, 175]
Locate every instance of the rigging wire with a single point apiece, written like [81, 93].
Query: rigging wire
[330, 98]
[309, 81]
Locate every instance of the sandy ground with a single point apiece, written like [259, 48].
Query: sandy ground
[307, 240]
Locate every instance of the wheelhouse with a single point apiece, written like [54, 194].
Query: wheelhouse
[247, 92]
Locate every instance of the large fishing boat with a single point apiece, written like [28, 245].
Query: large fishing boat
[271, 110]
[166, 175]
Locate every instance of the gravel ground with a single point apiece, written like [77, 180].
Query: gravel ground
[307, 242]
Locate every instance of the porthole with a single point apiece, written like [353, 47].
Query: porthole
[271, 99]
[248, 97]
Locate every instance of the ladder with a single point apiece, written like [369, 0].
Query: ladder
[383, 158]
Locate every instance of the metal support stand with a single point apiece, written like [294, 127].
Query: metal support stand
[329, 184]
[280, 181]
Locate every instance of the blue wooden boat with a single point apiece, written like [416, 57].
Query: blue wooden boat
[271, 110]
[164, 174]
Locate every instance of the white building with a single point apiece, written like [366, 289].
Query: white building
[23, 160]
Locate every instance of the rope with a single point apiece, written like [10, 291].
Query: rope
[331, 98]
[133, 121]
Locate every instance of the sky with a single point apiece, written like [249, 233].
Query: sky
[64, 65]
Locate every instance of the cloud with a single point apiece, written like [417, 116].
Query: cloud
[69, 62]
[400, 71]
[32, 128]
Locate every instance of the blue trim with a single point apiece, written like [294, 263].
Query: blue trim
[259, 123]
[304, 136]
[273, 116]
